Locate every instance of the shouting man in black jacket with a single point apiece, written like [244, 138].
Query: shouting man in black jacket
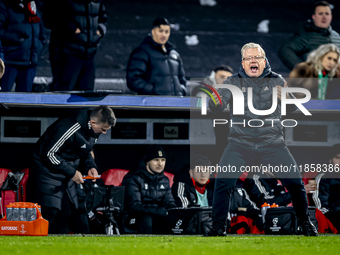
[154, 67]
[56, 157]
[259, 143]
[147, 193]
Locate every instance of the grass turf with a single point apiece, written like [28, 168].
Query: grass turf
[150, 245]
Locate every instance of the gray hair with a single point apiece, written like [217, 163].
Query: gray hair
[316, 56]
[2, 68]
[251, 46]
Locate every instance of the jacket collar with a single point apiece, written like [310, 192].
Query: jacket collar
[310, 27]
[148, 40]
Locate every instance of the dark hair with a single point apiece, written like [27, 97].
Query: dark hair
[321, 3]
[223, 68]
[334, 150]
[160, 21]
[103, 114]
[199, 160]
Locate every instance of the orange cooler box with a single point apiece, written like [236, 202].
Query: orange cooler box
[38, 227]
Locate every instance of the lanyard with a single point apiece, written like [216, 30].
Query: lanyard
[323, 82]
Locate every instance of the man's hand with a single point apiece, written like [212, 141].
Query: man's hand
[98, 33]
[310, 187]
[279, 94]
[78, 31]
[78, 178]
[215, 96]
[93, 172]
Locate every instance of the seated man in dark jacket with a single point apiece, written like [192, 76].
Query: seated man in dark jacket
[154, 67]
[327, 195]
[262, 189]
[147, 193]
[194, 188]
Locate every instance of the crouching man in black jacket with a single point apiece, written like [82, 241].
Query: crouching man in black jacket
[147, 193]
[58, 153]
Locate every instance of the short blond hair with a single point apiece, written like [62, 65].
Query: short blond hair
[2, 68]
[251, 46]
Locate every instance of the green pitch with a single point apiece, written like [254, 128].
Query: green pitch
[154, 245]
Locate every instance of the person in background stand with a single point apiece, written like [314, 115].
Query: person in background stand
[155, 67]
[219, 75]
[22, 37]
[314, 33]
[317, 73]
[2, 68]
[76, 30]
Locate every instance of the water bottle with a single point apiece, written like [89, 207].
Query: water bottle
[264, 208]
[31, 213]
[15, 213]
[22, 212]
[9, 212]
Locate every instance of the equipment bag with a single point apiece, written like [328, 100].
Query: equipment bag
[283, 221]
[189, 221]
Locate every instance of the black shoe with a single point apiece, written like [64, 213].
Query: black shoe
[308, 228]
[215, 232]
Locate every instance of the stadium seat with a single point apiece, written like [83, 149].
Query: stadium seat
[170, 177]
[308, 176]
[7, 196]
[114, 176]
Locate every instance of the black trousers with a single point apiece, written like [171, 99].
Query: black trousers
[58, 219]
[75, 73]
[240, 156]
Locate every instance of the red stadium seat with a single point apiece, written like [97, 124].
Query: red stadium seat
[114, 176]
[7, 196]
[170, 177]
[308, 176]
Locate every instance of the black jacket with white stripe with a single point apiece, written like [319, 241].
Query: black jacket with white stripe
[327, 195]
[185, 194]
[268, 190]
[56, 157]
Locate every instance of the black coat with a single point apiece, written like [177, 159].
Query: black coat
[22, 41]
[271, 132]
[185, 194]
[65, 16]
[327, 195]
[151, 71]
[147, 193]
[56, 157]
[296, 49]
[268, 190]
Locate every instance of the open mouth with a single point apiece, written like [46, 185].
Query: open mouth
[254, 69]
